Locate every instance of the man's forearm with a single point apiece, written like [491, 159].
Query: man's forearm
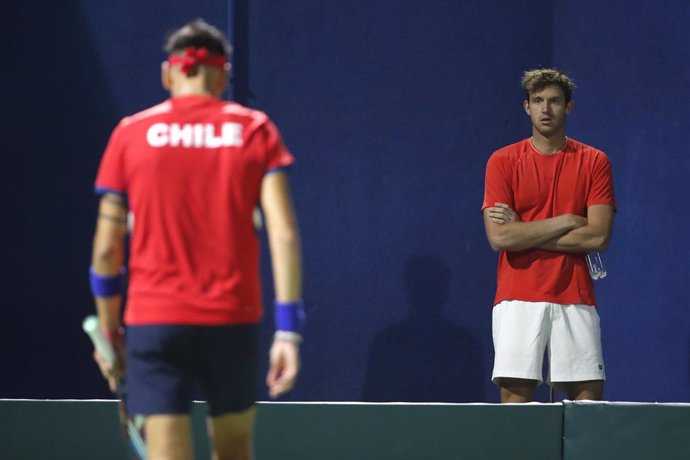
[519, 236]
[107, 258]
[287, 265]
[583, 239]
[283, 237]
[108, 309]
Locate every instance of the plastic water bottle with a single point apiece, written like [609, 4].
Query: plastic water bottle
[596, 266]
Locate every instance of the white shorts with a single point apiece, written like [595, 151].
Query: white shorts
[522, 331]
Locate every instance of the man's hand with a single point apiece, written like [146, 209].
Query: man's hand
[284, 363]
[501, 214]
[112, 372]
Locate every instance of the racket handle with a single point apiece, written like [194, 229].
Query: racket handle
[102, 345]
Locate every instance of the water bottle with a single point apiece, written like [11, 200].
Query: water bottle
[596, 266]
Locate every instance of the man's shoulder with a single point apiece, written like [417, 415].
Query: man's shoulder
[585, 149]
[250, 118]
[235, 108]
[238, 112]
[156, 110]
[512, 151]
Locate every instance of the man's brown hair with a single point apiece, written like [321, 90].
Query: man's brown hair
[538, 79]
[198, 34]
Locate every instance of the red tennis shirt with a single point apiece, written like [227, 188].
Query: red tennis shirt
[538, 187]
[191, 169]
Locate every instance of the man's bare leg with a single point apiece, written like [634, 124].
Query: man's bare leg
[169, 437]
[577, 391]
[231, 435]
[516, 390]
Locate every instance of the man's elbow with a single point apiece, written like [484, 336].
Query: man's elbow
[495, 247]
[286, 236]
[498, 243]
[600, 243]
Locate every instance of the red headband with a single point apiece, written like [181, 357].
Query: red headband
[193, 57]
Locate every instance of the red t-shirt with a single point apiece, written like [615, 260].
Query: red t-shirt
[537, 187]
[191, 169]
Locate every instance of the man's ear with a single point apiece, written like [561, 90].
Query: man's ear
[166, 80]
[569, 107]
[224, 79]
[526, 106]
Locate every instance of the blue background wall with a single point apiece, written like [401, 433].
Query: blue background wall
[392, 111]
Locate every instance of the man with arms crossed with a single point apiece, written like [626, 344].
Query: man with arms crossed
[548, 200]
[192, 170]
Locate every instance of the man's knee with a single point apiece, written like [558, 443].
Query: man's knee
[168, 437]
[232, 435]
[590, 389]
[516, 390]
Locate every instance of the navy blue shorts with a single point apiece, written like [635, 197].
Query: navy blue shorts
[168, 365]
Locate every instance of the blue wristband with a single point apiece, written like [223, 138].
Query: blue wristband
[107, 285]
[290, 316]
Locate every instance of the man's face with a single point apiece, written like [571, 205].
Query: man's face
[547, 110]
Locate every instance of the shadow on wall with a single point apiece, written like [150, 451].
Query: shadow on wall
[426, 357]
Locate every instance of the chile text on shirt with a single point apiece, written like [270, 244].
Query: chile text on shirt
[197, 135]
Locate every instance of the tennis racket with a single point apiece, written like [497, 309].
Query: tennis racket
[132, 425]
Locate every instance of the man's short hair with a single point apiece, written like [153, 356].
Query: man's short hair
[538, 79]
[198, 34]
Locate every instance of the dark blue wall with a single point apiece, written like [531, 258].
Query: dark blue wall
[392, 110]
[632, 64]
[70, 71]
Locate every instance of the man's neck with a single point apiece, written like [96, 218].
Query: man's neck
[548, 145]
[190, 90]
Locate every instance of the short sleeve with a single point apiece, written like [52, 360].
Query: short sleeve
[277, 155]
[601, 189]
[111, 172]
[497, 184]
